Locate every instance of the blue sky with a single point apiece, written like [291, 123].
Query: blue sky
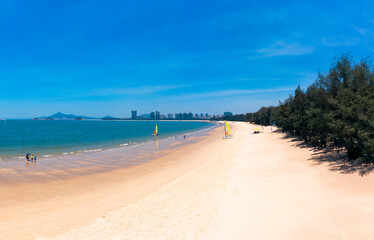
[101, 58]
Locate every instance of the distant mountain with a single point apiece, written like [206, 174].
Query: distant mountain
[108, 118]
[63, 116]
[60, 116]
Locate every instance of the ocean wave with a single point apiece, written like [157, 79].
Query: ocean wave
[93, 150]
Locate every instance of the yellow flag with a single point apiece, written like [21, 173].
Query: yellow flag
[227, 129]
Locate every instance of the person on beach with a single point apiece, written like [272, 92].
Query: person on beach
[28, 156]
[35, 158]
[184, 136]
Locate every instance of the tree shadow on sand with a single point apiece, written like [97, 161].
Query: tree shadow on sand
[336, 162]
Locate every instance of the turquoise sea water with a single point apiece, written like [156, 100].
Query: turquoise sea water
[17, 137]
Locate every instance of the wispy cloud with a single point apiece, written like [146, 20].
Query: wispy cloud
[346, 42]
[233, 92]
[281, 48]
[133, 90]
[362, 31]
[246, 79]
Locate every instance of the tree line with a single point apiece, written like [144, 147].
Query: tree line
[337, 110]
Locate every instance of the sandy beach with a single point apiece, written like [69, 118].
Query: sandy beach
[252, 186]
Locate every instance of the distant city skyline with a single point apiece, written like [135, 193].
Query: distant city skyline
[107, 58]
[155, 115]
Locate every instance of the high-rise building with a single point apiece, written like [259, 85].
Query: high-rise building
[179, 116]
[196, 116]
[134, 114]
[152, 116]
[206, 116]
[201, 116]
[170, 116]
[227, 114]
[158, 115]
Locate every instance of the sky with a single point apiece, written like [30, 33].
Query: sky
[99, 58]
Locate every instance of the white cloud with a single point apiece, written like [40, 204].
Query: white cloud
[282, 49]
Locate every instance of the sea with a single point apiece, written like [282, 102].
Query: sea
[47, 138]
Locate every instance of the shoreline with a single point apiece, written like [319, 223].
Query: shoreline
[92, 162]
[259, 185]
[110, 147]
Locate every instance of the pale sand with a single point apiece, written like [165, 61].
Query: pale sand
[248, 187]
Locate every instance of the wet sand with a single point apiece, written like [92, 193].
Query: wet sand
[252, 186]
[85, 163]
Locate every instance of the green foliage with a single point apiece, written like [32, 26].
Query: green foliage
[263, 116]
[337, 110]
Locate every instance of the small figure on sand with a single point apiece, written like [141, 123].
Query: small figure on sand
[30, 157]
[184, 136]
